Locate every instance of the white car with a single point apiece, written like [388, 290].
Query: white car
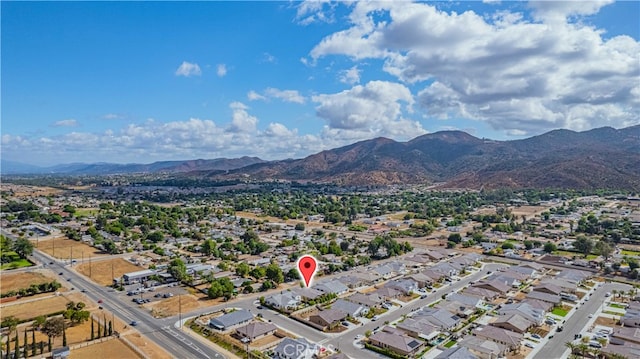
[590, 315]
[529, 345]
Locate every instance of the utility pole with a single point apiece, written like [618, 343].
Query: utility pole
[89, 265]
[180, 310]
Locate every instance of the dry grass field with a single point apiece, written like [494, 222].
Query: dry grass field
[14, 281]
[64, 248]
[29, 308]
[101, 271]
[172, 306]
[528, 211]
[146, 346]
[114, 348]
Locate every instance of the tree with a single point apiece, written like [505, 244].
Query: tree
[604, 249]
[93, 334]
[177, 269]
[155, 237]
[299, 227]
[9, 322]
[243, 269]
[528, 245]
[208, 247]
[584, 245]
[16, 353]
[25, 344]
[550, 247]
[53, 327]
[221, 287]
[38, 321]
[23, 247]
[110, 328]
[64, 337]
[274, 273]
[455, 238]
[33, 342]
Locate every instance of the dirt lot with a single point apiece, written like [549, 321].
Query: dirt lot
[26, 308]
[110, 349]
[146, 346]
[606, 321]
[171, 306]
[14, 281]
[64, 248]
[101, 270]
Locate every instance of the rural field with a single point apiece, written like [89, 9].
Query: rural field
[27, 308]
[64, 248]
[103, 271]
[14, 281]
[114, 348]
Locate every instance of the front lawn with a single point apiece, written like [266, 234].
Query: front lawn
[450, 343]
[560, 312]
[15, 261]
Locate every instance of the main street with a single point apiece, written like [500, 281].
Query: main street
[165, 336]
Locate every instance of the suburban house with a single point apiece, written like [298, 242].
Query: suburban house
[545, 297]
[294, 349]
[456, 353]
[387, 293]
[418, 328]
[525, 310]
[440, 318]
[257, 330]
[631, 318]
[484, 349]
[397, 343]
[627, 334]
[231, 320]
[505, 337]
[485, 294]
[351, 308]
[513, 322]
[421, 279]
[494, 285]
[406, 286]
[283, 301]
[328, 319]
[548, 288]
[368, 300]
[306, 294]
[334, 286]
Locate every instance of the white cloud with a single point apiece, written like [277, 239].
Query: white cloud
[221, 70]
[241, 120]
[350, 76]
[285, 95]
[253, 96]
[188, 69]
[374, 109]
[313, 11]
[282, 95]
[512, 73]
[66, 123]
[267, 57]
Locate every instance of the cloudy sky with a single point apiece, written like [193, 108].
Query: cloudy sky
[140, 82]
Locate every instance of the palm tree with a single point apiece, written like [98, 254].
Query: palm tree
[571, 345]
[583, 349]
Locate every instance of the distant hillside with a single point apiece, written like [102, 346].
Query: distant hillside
[599, 158]
[218, 164]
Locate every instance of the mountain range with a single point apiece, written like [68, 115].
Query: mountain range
[599, 158]
[218, 164]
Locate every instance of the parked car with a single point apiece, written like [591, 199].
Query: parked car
[535, 336]
[529, 345]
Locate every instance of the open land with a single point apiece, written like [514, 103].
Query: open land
[103, 271]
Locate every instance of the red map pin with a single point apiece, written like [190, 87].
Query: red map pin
[307, 266]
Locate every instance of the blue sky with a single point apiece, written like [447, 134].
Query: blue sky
[146, 81]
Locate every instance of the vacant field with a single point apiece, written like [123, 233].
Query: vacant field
[146, 346]
[34, 308]
[64, 248]
[15, 281]
[84, 212]
[103, 272]
[172, 306]
[114, 348]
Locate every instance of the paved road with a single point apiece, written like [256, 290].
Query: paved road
[555, 347]
[163, 334]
